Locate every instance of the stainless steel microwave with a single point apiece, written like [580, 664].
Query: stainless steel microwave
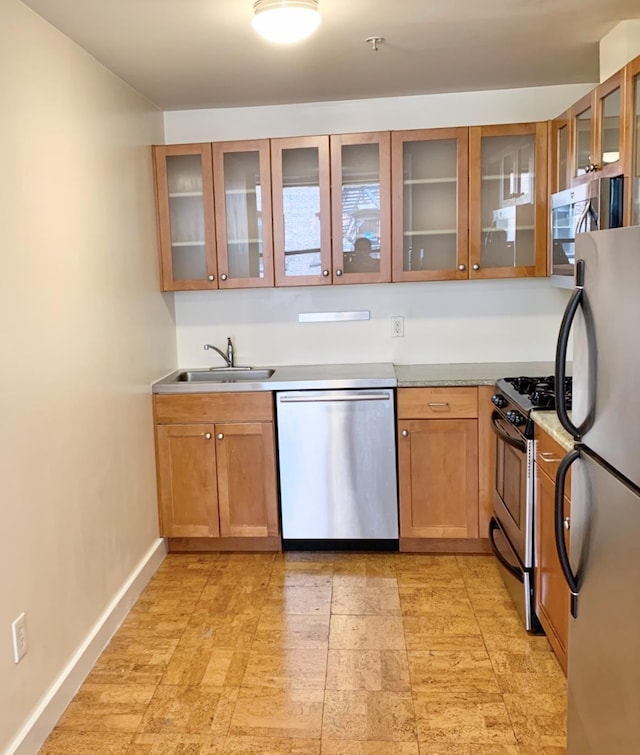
[591, 206]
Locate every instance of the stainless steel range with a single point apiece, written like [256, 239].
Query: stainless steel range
[511, 527]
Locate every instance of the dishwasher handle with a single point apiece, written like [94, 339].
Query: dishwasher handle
[329, 398]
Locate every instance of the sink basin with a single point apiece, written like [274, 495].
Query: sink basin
[228, 375]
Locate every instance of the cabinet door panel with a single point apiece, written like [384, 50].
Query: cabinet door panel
[632, 146]
[246, 480]
[187, 492]
[438, 463]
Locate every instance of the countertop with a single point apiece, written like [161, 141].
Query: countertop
[372, 375]
[549, 422]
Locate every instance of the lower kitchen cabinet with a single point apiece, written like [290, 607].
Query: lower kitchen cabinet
[215, 456]
[552, 593]
[438, 469]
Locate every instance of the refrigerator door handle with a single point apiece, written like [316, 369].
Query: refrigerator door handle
[493, 526]
[575, 302]
[561, 545]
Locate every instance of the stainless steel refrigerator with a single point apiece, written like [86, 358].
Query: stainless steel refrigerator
[602, 561]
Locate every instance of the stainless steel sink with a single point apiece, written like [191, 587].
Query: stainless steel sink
[224, 375]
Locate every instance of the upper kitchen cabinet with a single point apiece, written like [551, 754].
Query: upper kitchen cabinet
[242, 187]
[560, 153]
[185, 213]
[361, 207]
[301, 193]
[596, 124]
[632, 156]
[430, 204]
[508, 200]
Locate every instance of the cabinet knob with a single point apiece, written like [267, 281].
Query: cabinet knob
[207, 436]
[220, 436]
[338, 272]
[325, 273]
[567, 522]
[211, 277]
[223, 277]
[405, 433]
[476, 266]
[462, 268]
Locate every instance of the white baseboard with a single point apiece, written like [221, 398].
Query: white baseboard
[62, 691]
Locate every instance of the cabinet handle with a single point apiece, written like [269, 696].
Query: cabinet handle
[220, 436]
[462, 268]
[223, 277]
[325, 273]
[567, 523]
[338, 272]
[476, 266]
[439, 404]
[405, 433]
[207, 436]
[548, 458]
[211, 277]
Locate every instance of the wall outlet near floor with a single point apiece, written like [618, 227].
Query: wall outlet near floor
[397, 327]
[19, 634]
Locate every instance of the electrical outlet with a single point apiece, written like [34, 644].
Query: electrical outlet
[397, 327]
[19, 634]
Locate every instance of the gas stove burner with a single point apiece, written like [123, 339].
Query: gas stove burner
[536, 392]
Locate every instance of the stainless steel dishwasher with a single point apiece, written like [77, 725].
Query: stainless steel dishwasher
[337, 457]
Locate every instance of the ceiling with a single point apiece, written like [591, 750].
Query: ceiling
[203, 53]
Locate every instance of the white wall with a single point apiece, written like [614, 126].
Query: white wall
[444, 322]
[83, 332]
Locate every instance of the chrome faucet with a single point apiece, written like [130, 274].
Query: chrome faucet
[228, 357]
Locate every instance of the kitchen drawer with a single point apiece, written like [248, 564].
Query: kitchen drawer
[549, 453]
[437, 403]
[246, 406]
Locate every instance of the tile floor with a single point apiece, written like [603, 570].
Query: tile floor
[309, 654]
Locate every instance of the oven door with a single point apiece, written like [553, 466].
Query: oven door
[513, 498]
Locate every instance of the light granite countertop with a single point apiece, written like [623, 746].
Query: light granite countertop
[479, 373]
[549, 422]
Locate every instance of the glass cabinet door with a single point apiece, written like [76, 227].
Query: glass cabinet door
[508, 200]
[560, 148]
[186, 228]
[301, 210]
[243, 214]
[633, 158]
[584, 153]
[430, 204]
[361, 207]
[608, 127]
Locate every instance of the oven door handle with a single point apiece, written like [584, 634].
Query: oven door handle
[517, 573]
[561, 546]
[515, 442]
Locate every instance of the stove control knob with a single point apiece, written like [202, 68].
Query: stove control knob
[515, 418]
[498, 400]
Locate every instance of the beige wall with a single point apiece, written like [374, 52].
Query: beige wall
[444, 322]
[83, 331]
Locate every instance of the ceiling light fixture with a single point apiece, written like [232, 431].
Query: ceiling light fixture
[285, 21]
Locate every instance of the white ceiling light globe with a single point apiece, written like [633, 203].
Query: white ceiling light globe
[285, 21]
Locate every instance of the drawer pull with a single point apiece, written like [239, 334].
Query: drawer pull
[548, 457]
[438, 404]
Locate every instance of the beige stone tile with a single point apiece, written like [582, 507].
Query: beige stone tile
[452, 748]
[304, 599]
[357, 747]
[192, 710]
[366, 633]
[538, 719]
[81, 742]
[442, 601]
[171, 605]
[359, 599]
[537, 750]
[295, 668]
[317, 578]
[270, 746]
[107, 707]
[434, 632]
[365, 565]
[175, 744]
[373, 670]
[219, 630]
[469, 718]
[291, 631]
[458, 671]
[263, 712]
[202, 665]
[139, 625]
[128, 659]
[385, 716]
[506, 662]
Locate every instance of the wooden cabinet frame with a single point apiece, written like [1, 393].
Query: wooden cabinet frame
[630, 153]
